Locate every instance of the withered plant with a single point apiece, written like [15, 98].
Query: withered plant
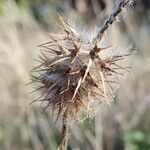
[75, 73]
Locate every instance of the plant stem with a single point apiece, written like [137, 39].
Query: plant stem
[65, 133]
[110, 20]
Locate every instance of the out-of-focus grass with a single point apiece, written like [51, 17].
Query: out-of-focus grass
[22, 126]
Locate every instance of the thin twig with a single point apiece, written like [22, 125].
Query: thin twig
[111, 19]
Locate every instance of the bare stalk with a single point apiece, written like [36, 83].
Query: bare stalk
[65, 133]
[110, 20]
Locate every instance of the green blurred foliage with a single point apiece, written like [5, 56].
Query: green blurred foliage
[138, 140]
[1, 6]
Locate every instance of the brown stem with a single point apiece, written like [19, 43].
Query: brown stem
[65, 133]
[110, 20]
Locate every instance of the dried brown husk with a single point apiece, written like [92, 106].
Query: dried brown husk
[73, 76]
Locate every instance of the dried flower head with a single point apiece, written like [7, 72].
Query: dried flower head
[75, 73]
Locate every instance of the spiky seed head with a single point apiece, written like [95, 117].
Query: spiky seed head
[74, 75]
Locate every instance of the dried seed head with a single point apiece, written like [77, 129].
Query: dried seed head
[74, 75]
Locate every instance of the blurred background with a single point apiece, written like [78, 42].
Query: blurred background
[24, 24]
